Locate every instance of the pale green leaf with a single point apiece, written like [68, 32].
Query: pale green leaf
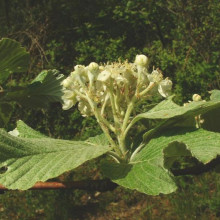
[215, 94]
[27, 132]
[29, 160]
[167, 109]
[146, 172]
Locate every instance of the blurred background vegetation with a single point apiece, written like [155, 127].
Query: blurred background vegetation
[180, 37]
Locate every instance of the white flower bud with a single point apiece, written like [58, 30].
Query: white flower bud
[74, 74]
[14, 132]
[84, 109]
[104, 76]
[112, 82]
[91, 78]
[165, 87]
[68, 103]
[79, 68]
[82, 90]
[196, 98]
[120, 80]
[93, 67]
[68, 94]
[81, 73]
[101, 68]
[141, 60]
[67, 82]
[155, 76]
[92, 73]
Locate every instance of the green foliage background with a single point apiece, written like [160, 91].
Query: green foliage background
[182, 38]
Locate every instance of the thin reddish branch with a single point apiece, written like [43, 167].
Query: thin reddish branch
[90, 185]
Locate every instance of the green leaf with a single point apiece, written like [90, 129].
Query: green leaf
[215, 94]
[46, 88]
[25, 131]
[146, 172]
[167, 109]
[13, 58]
[143, 176]
[38, 158]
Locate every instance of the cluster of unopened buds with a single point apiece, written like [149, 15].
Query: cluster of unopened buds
[111, 87]
[110, 92]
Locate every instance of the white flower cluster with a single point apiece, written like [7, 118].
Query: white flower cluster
[110, 88]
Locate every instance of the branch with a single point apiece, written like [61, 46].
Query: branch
[89, 185]
[197, 170]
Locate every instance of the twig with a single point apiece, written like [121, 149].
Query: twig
[89, 185]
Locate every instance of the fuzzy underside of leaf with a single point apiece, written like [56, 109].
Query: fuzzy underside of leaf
[33, 157]
[167, 109]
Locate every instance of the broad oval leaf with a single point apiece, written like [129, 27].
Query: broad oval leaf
[13, 58]
[146, 172]
[33, 159]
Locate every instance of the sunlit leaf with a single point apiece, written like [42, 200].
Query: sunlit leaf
[146, 172]
[168, 109]
[37, 158]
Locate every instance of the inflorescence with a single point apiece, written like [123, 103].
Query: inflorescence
[110, 92]
[111, 87]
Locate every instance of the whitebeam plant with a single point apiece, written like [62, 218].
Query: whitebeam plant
[143, 153]
[110, 92]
